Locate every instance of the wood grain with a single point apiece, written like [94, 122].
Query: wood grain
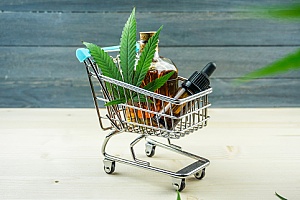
[57, 93]
[55, 154]
[180, 29]
[142, 6]
[60, 62]
[39, 38]
[52, 77]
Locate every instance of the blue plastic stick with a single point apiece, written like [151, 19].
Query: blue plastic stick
[83, 53]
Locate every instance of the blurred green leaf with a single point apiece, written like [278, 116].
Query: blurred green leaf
[285, 64]
[290, 62]
[285, 12]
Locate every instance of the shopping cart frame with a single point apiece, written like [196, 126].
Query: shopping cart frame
[191, 121]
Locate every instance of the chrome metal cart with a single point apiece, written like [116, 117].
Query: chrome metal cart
[142, 118]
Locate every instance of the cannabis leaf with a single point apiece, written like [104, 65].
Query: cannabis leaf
[106, 65]
[129, 73]
[146, 59]
[157, 83]
[152, 86]
[104, 62]
[128, 48]
[116, 101]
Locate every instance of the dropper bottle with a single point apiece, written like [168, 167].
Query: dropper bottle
[197, 82]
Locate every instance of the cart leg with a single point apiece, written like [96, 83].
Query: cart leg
[107, 138]
[132, 151]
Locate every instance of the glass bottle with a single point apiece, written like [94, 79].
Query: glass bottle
[197, 82]
[159, 67]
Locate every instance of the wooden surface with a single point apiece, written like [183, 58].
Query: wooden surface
[39, 39]
[55, 154]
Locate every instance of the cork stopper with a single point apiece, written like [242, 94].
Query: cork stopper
[144, 36]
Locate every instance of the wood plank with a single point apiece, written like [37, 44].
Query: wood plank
[257, 94]
[61, 63]
[180, 29]
[49, 93]
[52, 77]
[142, 6]
[59, 93]
[54, 154]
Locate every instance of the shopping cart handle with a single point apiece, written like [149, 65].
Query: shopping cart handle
[82, 54]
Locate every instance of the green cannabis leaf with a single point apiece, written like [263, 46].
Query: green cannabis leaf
[128, 48]
[157, 83]
[152, 86]
[107, 66]
[129, 72]
[104, 62]
[146, 59]
[116, 101]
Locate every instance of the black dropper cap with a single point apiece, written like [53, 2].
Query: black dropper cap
[199, 81]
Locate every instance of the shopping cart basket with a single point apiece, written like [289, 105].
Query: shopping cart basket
[141, 117]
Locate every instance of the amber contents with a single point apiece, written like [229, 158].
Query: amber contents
[159, 67]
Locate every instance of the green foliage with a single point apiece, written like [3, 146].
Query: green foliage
[178, 195]
[127, 49]
[116, 101]
[152, 86]
[104, 62]
[290, 62]
[146, 59]
[157, 83]
[285, 12]
[130, 74]
[287, 63]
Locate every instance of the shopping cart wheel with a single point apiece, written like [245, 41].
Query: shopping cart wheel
[150, 149]
[200, 175]
[179, 184]
[109, 166]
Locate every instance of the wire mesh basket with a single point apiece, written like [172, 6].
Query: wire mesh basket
[148, 114]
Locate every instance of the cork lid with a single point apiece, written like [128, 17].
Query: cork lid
[144, 36]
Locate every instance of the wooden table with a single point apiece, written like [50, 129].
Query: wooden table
[55, 154]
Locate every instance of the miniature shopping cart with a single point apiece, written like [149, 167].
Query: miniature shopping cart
[134, 118]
